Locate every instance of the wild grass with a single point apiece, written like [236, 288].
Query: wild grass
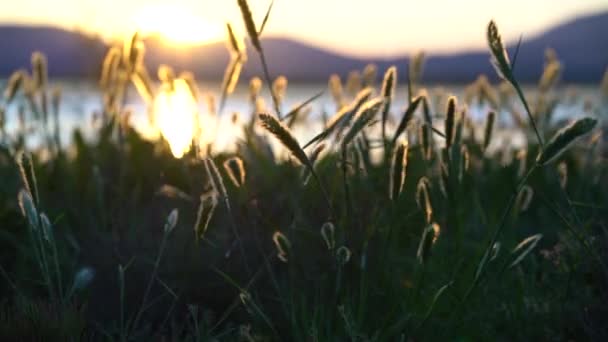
[420, 225]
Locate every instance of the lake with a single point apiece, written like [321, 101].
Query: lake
[82, 99]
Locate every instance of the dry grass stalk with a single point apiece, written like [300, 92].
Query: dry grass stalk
[216, 180]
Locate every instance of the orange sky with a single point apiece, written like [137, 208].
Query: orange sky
[358, 27]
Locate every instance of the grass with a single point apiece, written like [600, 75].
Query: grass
[397, 238]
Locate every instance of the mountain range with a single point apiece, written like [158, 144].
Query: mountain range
[581, 46]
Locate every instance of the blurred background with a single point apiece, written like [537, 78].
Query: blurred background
[308, 40]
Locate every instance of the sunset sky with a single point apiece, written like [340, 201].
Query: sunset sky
[357, 27]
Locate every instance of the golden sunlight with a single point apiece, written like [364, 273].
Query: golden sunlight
[177, 25]
[175, 113]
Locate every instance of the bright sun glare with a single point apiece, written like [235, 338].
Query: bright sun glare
[175, 112]
[176, 25]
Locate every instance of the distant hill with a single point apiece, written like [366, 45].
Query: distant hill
[69, 53]
[580, 45]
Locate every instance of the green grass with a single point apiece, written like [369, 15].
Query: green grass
[380, 275]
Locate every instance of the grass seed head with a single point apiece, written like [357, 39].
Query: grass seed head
[550, 76]
[398, 170]
[39, 70]
[335, 88]
[423, 198]
[407, 117]
[565, 137]
[171, 221]
[389, 83]
[109, 68]
[416, 67]
[524, 198]
[255, 86]
[343, 255]
[424, 135]
[83, 278]
[282, 133]
[464, 161]
[450, 121]
[364, 115]
[236, 171]
[166, 75]
[16, 81]
[427, 240]
[28, 208]
[562, 170]
[328, 231]
[353, 82]
[279, 87]
[489, 129]
[22, 173]
[370, 72]
[500, 58]
[132, 52]
[283, 246]
[524, 248]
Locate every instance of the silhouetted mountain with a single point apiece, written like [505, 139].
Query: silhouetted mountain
[69, 53]
[580, 45]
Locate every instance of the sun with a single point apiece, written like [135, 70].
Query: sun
[176, 25]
